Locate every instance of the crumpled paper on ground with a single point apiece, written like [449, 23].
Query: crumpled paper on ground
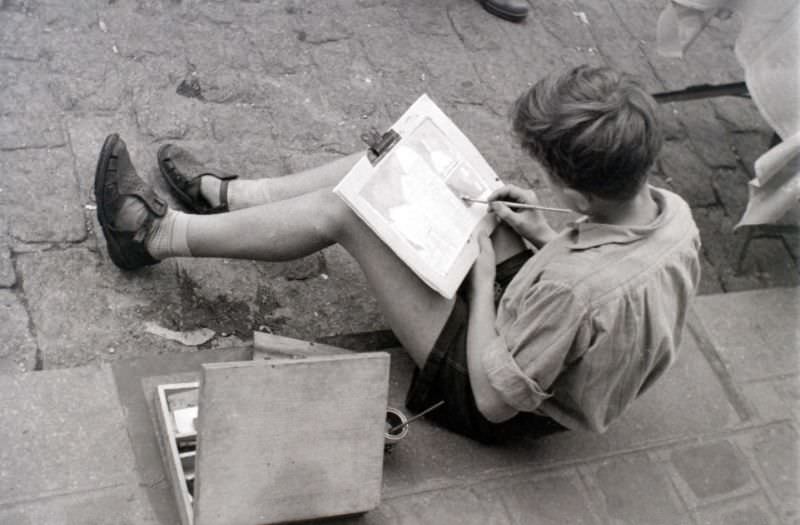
[189, 338]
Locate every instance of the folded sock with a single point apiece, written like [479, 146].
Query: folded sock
[209, 189]
[246, 193]
[167, 236]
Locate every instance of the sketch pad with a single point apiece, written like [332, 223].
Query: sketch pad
[410, 195]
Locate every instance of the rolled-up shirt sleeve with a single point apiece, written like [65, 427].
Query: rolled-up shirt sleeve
[535, 345]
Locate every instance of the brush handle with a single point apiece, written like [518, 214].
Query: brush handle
[414, 418]
[519, 205]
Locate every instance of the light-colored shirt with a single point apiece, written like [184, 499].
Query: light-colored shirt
[595, 317]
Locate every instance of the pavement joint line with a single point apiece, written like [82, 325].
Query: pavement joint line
[558, 466]
[639, 45]
[75, 169]
[767, 379]
[55, 494]
[696, 328]
[19, 291]
[32, 148]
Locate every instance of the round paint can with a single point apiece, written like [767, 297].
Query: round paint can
[393, 418]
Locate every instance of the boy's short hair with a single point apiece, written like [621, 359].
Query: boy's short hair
[593, 128]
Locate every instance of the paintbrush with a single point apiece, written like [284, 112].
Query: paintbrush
[518, 205]
[414, 418]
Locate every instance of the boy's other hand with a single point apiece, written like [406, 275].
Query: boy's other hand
[529, 224]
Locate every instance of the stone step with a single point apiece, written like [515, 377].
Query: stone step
[81, 439]
[755, 332]
[66, 457]
[754, 338]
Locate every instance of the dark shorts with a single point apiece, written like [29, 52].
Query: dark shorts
[445, 377]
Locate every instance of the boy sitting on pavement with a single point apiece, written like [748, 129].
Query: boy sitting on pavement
[565, 337]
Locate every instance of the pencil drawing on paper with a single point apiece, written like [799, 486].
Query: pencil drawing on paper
[417, 190]
[411, 195]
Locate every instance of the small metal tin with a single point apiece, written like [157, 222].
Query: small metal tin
[394, 417]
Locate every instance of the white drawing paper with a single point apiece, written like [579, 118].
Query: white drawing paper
[412, 197]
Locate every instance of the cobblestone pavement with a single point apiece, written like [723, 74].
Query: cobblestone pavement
[272, 87]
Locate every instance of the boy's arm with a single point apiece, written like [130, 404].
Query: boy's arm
[481, 334]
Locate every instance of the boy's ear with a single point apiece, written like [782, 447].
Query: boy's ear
[578, 201]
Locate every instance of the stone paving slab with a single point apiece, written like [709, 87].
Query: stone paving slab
[300, 299]
[85, 311]
[17, 346]
[40, 196]
[554, 499]
[775, 399]
[755, 332]
[752, 510]
[551, 498]
[123, 505]
[40, 132]
[87, 131]
[633, 489]
[63, 433]
[774, 455]
[709, 472]
[716, 479]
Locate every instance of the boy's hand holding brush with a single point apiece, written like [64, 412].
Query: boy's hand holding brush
[520, 209]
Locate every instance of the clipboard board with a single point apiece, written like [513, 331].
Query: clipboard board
[408, 189]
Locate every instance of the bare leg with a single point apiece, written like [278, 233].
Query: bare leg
[287, 230]
[283, 230]
[244, 193]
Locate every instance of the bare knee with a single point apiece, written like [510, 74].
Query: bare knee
[332, 218]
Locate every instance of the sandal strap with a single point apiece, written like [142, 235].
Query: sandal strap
[136, 187]
[115, 180]
[223, 194]
[183, 172]
[221, 176]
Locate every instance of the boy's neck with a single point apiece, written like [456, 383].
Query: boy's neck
[642, 209]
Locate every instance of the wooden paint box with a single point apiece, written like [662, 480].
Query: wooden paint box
[277, 440]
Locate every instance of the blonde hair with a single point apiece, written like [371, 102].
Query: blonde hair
[593, 128]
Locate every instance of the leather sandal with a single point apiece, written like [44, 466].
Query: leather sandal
[183, 171]
[116, 180]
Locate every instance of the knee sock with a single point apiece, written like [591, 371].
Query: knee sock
[167, 236]
[247, 193]
[242, 193]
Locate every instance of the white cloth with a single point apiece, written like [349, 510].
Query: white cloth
[768, 48]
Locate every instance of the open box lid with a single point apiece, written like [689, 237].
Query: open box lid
[290, 439]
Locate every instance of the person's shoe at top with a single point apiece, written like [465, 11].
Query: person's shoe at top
[513, 10]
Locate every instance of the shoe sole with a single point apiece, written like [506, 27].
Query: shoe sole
[99, 196]
[511, 17]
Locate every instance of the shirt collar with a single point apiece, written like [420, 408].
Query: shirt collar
[585, 234]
